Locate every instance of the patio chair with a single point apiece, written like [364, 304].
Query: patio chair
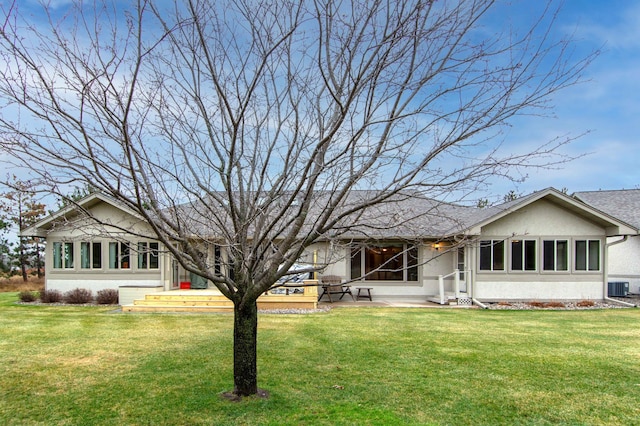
[332, 284]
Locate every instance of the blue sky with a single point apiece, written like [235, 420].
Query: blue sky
[606, 107]
[607, 104]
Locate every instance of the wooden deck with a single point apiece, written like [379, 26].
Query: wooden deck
[211, 300]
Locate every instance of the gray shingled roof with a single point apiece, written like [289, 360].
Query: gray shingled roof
[413, 216]
[623, 204]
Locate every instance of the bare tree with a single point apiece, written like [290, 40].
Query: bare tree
[253, 121]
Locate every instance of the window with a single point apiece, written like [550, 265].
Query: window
[492, 255]
[555, 255]
[62, 255]
[90, 255]
[119, 255]
[388, 262]
[587, 255]
[523, 255]
[147, 255]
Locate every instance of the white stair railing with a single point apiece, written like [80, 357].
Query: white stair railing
[441, 278]
[456, 284]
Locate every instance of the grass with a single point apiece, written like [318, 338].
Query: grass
[89, 365]
[15, 283]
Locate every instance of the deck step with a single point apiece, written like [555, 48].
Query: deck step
[213, 301]
[177, 308]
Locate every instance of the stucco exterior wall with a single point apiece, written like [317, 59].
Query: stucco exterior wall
[64, 285]
[538, 290]
[541, 220]
[624, 262]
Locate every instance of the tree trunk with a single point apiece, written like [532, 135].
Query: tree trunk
[245, 367]
[23, 261]
[38, 260]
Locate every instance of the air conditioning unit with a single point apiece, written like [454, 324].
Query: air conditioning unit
[618, 289]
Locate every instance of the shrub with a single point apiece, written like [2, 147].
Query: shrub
[27, 296]
[536, 304]
[586, 304]
[503, 303]
[78, 296]
[50, 296]
[554, 305]
[108, 296]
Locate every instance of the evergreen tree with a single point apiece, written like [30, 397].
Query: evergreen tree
[20, 207]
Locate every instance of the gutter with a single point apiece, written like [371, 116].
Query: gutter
[605, 284]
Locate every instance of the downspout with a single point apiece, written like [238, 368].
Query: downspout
[605, 284]
[477, 302]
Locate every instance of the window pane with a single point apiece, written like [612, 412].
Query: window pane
[153, 255]
[530, 255]
[385, 263]
[581, 255]
[217, 255]
[412, 264]
[113, 255]
[594, 255]
[516, 256]
[562, 255]
[356, 262]
[124, 256]
[548, 255]
[97, 255]
[68, 255]
[85, 255]
[57, 255]
[498, 256]
[461, 263]
[485, 255]
[142, 255]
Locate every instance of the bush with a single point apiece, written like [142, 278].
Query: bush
[50, 296]
[586, 304]
[27, 296]
[108, 296]
[537, 304]
[78, 296]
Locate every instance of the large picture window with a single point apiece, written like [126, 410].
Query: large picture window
[385, 262]
[119, 255]
[90, 255]
[62, 255]
[523, 255]
[587, 254]
[492, 255]
[555, 255]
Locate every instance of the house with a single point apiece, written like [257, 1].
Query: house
[624, 251]
[100, 244]
[545, 246]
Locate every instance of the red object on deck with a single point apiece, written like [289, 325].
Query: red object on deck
[185, 285]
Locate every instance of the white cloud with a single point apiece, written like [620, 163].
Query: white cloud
[605, 23]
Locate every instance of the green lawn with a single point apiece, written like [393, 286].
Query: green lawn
[89, 365]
